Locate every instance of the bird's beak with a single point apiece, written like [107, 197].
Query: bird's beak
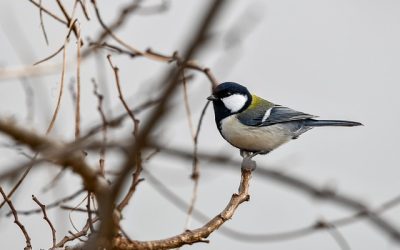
[212, 98]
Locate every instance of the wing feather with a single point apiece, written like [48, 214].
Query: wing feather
[266, 113]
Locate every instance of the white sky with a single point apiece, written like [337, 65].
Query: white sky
[335, 59]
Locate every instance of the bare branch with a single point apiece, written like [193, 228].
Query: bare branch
[16, 221]
[196, 235]
[48, 12]
[42, 23]
[51, 205]
[46, 218]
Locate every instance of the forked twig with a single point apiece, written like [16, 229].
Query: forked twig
[46, 218]
[16, 221]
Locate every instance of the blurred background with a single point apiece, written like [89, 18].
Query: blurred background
[335, 59]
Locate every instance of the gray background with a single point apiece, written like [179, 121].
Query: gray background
[336, 59]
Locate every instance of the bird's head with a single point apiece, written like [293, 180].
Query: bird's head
[230, 98]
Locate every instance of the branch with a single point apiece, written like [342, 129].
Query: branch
[108, 226]
[16, 221]
[191, 236]
[307, 188]
[74, 160]
[46, 218]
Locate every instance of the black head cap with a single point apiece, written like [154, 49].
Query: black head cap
[229, 88]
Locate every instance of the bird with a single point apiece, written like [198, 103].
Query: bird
[257, 126]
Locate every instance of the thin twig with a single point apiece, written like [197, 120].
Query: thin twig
[68, 17]
[136, 175]
[121, 97]
[84, 9]
[78, 87]
[51, 205]
[154, 55]
[19, 182]
[46, 218]
[60, 93]
[77, 209]
[42, 23]
[338, 237]
[195, 171]
[100, 99]
[49, 12]
[50, 56]
[16, 221]
[77, 235]
[89, 212]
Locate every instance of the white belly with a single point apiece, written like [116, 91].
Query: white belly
[254, 138]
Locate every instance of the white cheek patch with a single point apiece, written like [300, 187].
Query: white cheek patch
[234, 102]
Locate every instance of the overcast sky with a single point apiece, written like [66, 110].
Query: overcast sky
[338, 59]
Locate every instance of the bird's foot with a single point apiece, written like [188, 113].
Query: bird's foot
[248, 164]
[245, 154]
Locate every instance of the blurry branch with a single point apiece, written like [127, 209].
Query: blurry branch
[122, 16]
[153, 55]
[51, 124]
[50, 56]
[155, 9]
[40, 6]
[338, 237]
[80, 144]
[51, 69]
[234, 234]
[108, 224]
[51, 205]
[77, 209]
[78, 86]
[16, 221]
[307, 188]
[68, 18]
[77, 235]
[196, 235]
[60, 93]
[46, 218]
[75, 161]
[195, 164]
[104, 121]
[84, 9]
[195, 173]
[110, 30]
[42, 23]
[138, 157]
[121, 97]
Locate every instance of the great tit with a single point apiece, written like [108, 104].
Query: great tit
[257, 126]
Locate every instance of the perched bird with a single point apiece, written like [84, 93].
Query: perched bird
[257, 126]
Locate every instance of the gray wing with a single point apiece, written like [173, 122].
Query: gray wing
[272, 115]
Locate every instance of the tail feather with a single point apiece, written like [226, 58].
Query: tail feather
[322, 123]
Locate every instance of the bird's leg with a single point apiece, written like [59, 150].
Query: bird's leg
[258, 153]
[247, 162]
[244, 153]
